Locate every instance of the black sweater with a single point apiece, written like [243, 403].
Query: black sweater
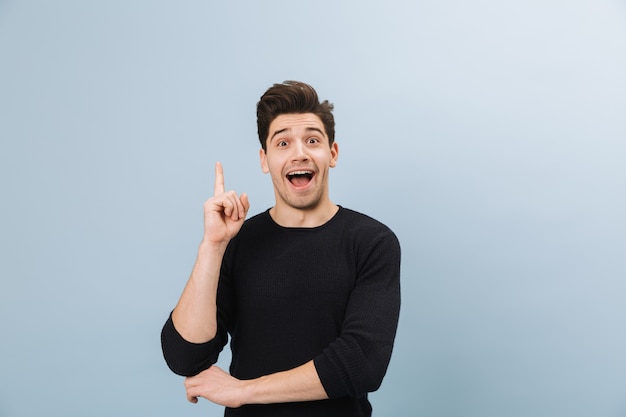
[288, 295]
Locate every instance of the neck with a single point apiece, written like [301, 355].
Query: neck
[287, 216]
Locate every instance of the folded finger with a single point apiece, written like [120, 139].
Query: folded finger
[189, 386]
[230, 206]
[244, 205]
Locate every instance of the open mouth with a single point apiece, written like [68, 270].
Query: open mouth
[300, 178]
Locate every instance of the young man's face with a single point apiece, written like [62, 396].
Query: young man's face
[298, 158]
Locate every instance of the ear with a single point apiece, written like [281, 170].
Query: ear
[334, 154]
[263, 158]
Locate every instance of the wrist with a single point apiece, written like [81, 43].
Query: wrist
[247, 392]
[211, 247]
[252, 391]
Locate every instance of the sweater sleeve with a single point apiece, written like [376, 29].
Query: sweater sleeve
[186, 358]
[356, 362]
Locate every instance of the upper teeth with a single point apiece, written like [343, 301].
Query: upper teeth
[300, 173]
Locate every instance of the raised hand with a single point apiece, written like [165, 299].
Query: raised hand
[224, 212]
[195, 315]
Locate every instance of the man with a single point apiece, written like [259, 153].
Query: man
[308, 291]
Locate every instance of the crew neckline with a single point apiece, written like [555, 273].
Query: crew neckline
[303, 228]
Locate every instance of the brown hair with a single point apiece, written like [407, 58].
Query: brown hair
[292, 97]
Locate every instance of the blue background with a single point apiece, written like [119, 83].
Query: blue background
[490, 135]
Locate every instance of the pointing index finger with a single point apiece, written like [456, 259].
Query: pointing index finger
[218, 188]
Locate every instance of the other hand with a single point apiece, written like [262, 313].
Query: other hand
[217, 386]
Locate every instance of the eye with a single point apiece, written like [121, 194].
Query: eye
[281, 143]
[312, 140]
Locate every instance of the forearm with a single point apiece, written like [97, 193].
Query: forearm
[298, 384]
[195, 315]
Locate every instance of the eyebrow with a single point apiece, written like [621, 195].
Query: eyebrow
[308, 129]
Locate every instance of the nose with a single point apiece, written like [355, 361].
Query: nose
[299, 152]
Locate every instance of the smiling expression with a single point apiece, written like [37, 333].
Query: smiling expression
[298, 158]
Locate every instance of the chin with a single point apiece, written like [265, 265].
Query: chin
[305, 206]
[303, 203]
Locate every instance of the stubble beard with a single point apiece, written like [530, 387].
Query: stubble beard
[304, 202]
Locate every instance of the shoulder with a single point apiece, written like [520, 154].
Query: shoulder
[374, 245]
[361, 220]
[363, 226]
